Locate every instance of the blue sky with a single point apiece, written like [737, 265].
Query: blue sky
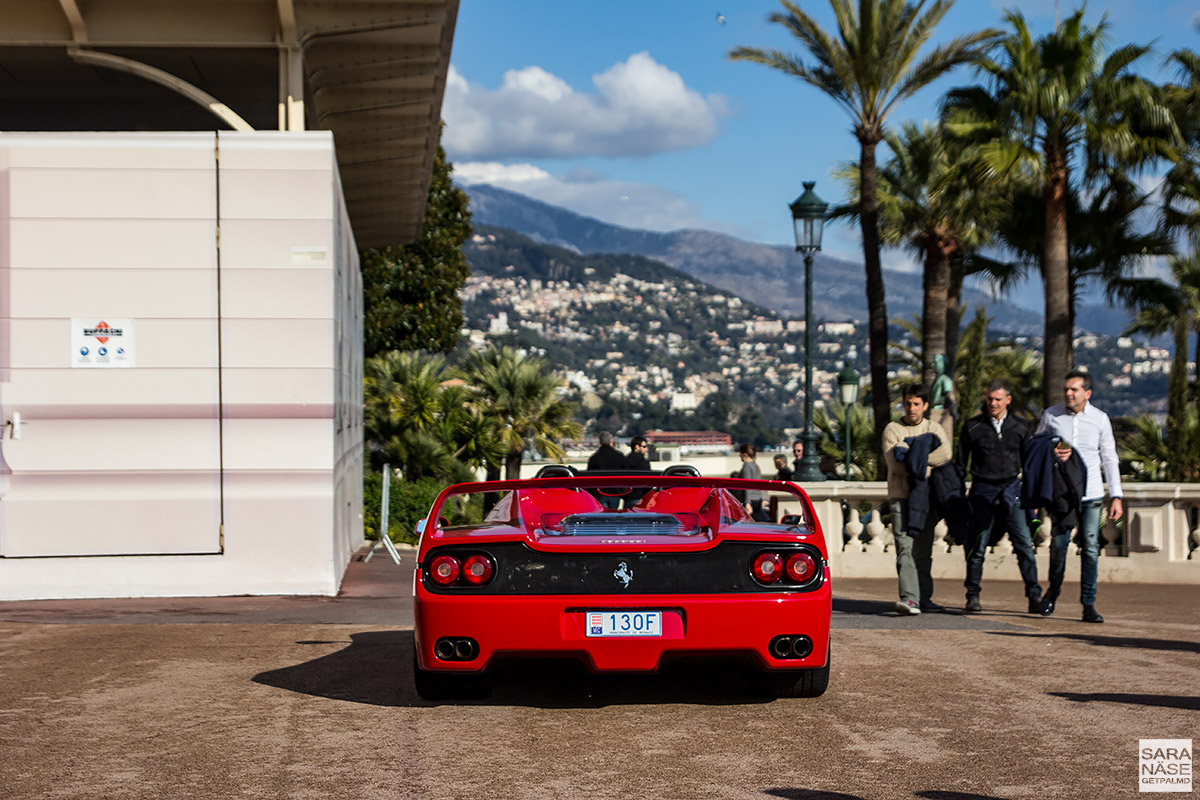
[629, 110]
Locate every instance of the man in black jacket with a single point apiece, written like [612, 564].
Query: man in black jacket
[607, 459]
[638, 459]
[993, 443]
[606, 456]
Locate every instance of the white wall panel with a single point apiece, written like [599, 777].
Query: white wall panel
[276, 194]
[255, 343]
[112, 515]
[130, 293]
[144, 151]
[275, 244]
[292, 387]
[79, 392]
[101, 193]
[114, 445]
[273, 293]
[267, 444]
[271, 150]
[103, 244]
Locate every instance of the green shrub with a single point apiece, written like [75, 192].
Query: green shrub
[410, 502]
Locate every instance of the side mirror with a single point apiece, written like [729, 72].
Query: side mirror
[791, 519]
[441, 521]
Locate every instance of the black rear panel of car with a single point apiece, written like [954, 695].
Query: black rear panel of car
[723, 569]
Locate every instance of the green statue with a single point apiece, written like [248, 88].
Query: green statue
[941, 396]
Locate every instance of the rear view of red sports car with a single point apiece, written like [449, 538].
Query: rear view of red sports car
[669, 565]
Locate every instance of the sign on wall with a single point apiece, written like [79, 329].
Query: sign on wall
[101, 343]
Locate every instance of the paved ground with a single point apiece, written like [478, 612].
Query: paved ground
[304, 697]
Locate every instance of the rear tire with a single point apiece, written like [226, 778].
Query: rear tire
[432, 685]
[799, 682]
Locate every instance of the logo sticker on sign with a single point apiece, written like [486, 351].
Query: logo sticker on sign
[90, 348]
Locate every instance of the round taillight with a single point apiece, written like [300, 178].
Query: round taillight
[477, 569]
[801, 567]
[768, 567]
[444, 570]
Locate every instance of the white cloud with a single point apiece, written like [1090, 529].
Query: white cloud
[630, 204]
[505, 176]
[640, 107]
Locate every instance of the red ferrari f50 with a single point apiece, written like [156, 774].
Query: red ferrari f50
[620, 572]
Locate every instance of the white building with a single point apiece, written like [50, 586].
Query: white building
[181, 313]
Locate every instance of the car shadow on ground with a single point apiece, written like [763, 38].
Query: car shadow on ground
[1135, 642]
[376, 669]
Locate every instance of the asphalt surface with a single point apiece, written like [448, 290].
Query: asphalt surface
[284, 697]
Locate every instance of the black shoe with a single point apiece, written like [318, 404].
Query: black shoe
[1035, 605]
[1090, 614]
[973, 605]
[1047, 607]
[930, 606]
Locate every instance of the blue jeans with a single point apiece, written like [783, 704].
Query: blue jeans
[994, 515]
[1060, 537]
[914, 554]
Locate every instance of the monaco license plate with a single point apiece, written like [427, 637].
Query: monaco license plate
[623, 623]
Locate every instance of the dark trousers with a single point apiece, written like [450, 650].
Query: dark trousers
[994, 510]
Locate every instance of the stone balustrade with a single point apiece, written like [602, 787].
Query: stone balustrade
[1158, 541]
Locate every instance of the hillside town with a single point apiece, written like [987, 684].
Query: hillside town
[671, 341]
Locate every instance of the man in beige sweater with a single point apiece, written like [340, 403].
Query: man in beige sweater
[914, 549]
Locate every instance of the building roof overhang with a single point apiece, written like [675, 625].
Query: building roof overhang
[371, 71]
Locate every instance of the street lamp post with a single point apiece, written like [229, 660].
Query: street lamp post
[848, 381]
[808, 218]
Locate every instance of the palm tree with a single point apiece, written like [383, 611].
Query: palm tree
[1181, 206]
[1021, 369]
[980, 361]
[830, 420]
[1053, 101]
[927, 204]
[1143, 454]
[521, 395]
[1148, 456]
[873, 64]
[405, 413]
[1173, 307]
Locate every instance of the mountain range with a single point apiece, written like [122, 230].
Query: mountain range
[771, 276]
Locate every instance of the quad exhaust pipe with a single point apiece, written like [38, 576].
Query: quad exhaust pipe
[790, 646]
[460, 648]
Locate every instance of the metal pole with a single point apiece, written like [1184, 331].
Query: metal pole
[810, 465]
[847, 437]
[384, 513]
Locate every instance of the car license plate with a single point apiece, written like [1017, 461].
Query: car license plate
[623, 623]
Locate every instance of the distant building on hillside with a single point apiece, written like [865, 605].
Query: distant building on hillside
[693, 440]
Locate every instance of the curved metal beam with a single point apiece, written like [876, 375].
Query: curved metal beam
[178, 85]
[74, 16]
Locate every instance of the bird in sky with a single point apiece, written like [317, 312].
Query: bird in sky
[720, 18]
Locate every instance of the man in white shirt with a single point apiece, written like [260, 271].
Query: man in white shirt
[1088, 430]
